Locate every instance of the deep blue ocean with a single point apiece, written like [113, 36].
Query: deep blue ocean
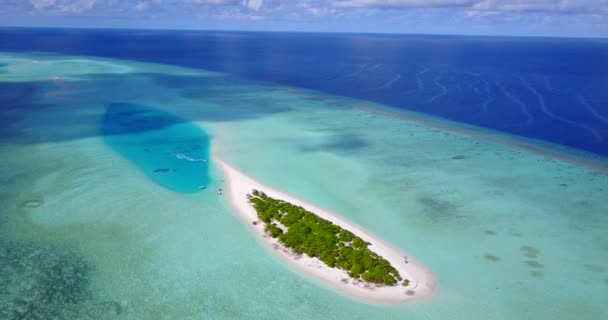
[550, 89]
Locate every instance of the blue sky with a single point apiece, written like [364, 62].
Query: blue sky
[587, 18]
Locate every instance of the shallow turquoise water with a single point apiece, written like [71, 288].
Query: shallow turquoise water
[170, 150]
[508, 233]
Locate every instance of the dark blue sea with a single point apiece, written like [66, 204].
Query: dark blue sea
[550, 89]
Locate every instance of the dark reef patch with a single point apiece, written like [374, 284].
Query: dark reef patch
[344, 143]
[490, 232]
[517, 234]
[338, 143]
[438, 210]
[537, 274]
[40, 282]
[530, 251]
[534, 264]
[594, 268]
[458, 157]
[436, 204]
[491, 257]
[46, 282]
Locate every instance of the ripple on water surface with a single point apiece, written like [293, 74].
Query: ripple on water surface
[170, 150]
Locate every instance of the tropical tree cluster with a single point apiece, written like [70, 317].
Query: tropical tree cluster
[306, 233]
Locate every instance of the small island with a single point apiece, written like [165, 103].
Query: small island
[306, 233]
[316, 242]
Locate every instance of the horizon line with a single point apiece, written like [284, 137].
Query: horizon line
[305, 32]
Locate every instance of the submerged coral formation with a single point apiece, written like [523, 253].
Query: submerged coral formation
[47, 283]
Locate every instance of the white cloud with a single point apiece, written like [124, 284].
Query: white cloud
[141, 6]
[478, 11]
[72, 6]
[254, 4]
[558, 6]
[213, 2]
[42, 4]
[400, 3]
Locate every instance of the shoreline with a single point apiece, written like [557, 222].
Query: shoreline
[422, 283]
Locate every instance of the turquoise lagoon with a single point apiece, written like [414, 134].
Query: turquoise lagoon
[172, 151]
[88, 230]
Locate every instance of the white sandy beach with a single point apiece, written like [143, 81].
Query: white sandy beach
[422, 283]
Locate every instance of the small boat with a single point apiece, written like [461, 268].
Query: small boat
[202, 187]
[219, 191]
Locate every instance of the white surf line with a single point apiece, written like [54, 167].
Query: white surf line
[419, 81]
[592, 110]
[389, 83]
[581, 99]
[363, 68]
[23, 65]
[473, 86]
[545, 109]
[443, 92]
[489, 98]
[55, 94]
[514, 99]
[57, 81]
[485, 104]
[374, 67]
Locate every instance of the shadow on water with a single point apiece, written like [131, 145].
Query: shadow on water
[170, 150]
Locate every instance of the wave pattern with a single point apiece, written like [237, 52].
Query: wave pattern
[592, 110]
[515, 100]
[546, 110]
[444, 90]
[477, 80]
[493, 100]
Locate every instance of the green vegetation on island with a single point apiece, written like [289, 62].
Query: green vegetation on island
[306, 233]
